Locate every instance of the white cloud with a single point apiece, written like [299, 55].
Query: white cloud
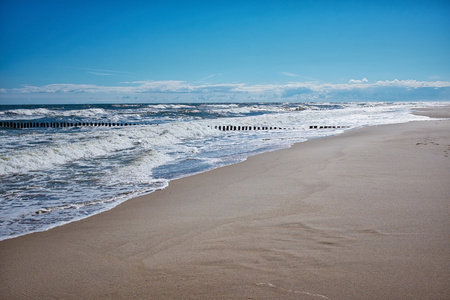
[71, 88]
[412, 83]
[364, 80]
[292, 90]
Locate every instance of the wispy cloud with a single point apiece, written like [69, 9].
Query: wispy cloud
[289, 74]
[101, 72]
[210, 76]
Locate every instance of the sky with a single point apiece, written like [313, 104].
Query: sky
[223, 51]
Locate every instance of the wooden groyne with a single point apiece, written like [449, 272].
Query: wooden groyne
[242, 128]
[247, 128]
[326, 127]
[44, 124]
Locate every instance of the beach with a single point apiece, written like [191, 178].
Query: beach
[361, 215]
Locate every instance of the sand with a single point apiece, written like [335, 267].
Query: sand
[363, 215]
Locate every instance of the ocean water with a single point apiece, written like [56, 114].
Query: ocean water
[52, 176]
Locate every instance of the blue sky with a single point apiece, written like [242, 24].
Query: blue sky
[156, 51]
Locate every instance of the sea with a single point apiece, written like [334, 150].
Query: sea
[50, 176]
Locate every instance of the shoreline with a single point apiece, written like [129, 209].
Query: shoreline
[282, 224]
[444, 112]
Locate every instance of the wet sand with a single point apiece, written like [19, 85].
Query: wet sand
[363, 215]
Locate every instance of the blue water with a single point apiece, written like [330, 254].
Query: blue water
[52, 176]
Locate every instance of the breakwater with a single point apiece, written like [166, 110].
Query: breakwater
[44, 124]
[247, 128]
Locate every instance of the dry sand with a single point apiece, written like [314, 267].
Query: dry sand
[364, 215]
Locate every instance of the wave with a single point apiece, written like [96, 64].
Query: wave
[65, 147]
[24, 113]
